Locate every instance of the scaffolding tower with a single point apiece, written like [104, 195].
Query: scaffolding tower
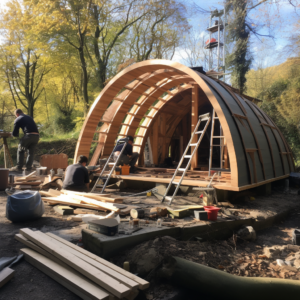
[216, 44]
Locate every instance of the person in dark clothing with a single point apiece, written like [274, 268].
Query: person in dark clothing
[77, 176]
[27, 142]
[127, 157]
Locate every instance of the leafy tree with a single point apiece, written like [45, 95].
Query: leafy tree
[112, 21]
[23, 62]
[159, 33]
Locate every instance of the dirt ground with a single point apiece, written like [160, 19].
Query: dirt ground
[29, 282]
[239, 258]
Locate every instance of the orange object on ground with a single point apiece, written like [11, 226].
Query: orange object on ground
[125, 170]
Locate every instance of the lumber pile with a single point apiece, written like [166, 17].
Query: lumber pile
[31, 181]
[85, 274]
[83, 200]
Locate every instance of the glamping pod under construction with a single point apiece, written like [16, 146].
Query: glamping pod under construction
[159, 101]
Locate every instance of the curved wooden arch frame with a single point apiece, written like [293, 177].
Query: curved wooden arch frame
[129, 98]
[133, 73]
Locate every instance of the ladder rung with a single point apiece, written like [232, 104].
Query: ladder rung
[218, 137]
[175, 182]
[193, 145]
[111, 164]
[187, 156]
[181, 170]
[199, 132]
[168, 198]
[216, 117]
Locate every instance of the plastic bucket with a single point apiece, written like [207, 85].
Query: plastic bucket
[212, 212]
[125, 170]
[4, 179]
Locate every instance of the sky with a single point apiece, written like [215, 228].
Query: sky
[282, 28]
[284, 16]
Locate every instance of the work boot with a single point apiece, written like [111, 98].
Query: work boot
[15, 169]
[132, 170]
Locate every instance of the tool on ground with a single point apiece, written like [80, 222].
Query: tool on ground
[203, 118]
[110, 162]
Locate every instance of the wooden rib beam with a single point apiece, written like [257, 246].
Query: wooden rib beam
[151, 74]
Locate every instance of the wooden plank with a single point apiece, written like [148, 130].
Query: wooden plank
[47, 194]
[30, 175]
[110, 284]
[55, 200]
[99, 197]
[28, 182]
[23, 187]
[55, 192]
[107, 206]
[143, 284]
[72, 202]
[72, 280]
[19, 237]
[125, 280]
[76, 199]
[6, 275]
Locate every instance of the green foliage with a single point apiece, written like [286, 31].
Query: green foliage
[282, 104]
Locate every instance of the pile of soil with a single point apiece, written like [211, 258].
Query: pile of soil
[249, 260]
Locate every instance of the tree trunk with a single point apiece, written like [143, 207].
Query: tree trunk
[84, 81]
[101, 74]
[30, 105]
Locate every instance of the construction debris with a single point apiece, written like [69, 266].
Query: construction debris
[75, 199]
[63, 210]
[85, 274]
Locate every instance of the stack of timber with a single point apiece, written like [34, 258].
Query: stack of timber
[83, 273]
[84, 200]
[31, 181]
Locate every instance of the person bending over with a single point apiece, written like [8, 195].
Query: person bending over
[127, 157]
[77, 176]
[27, 142]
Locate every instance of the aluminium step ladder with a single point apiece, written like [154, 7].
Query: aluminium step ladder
[203, 118]
[110, 162]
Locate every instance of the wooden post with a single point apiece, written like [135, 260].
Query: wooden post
[163, 134]
[155, 142]
[194, 121]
